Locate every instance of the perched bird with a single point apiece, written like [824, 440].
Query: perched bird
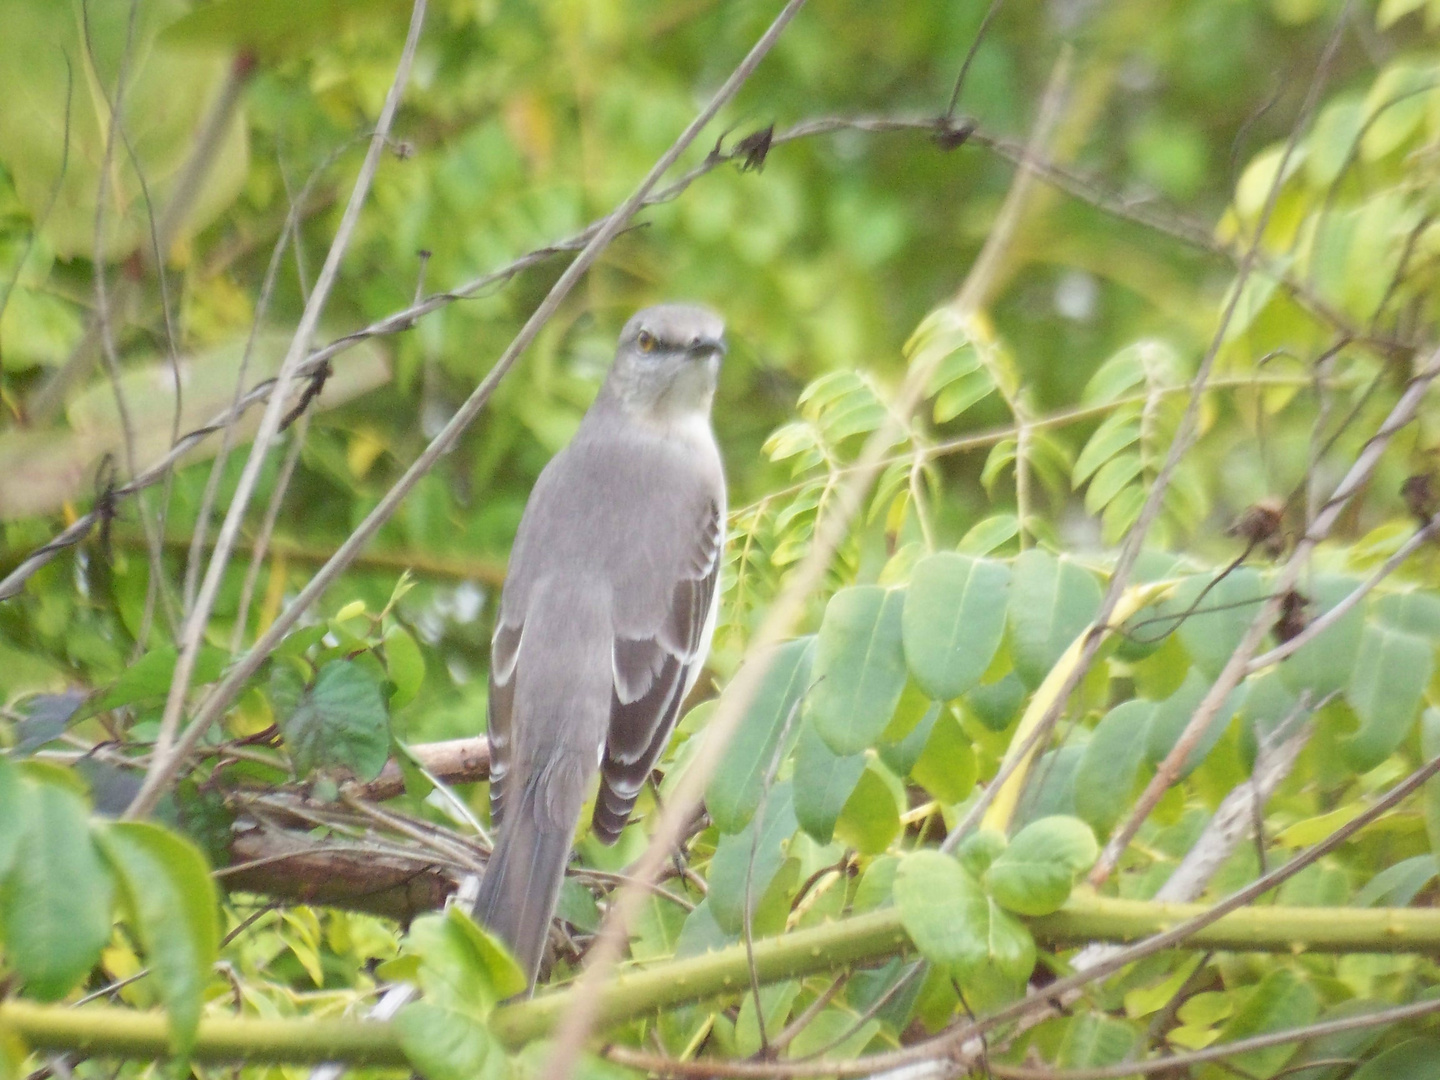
[606, 614]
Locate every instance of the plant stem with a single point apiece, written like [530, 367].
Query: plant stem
[109, 1031]
[879, 934]
[106, 1031]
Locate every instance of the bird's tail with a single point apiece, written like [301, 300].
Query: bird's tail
[521, 884]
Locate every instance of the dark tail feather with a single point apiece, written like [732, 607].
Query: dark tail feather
[521, 885]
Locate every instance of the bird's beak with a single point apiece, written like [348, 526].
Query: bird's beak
[705, 348]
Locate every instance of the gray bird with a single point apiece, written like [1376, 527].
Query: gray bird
[606, 614]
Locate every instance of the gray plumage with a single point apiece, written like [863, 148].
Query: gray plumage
[606, 614]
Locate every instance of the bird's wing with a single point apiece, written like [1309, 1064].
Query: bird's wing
[653, 673]
[504, 651]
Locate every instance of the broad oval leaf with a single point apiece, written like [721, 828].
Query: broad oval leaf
[340, 719]
[952, 922]
[743, 856]
[1035, 872]
[447, 1044]
[1172, 717]
[1212, 618]
[1105, 777]
[173, 905]
[870, 818]
[1416, 612]
[859, 668]
[1413, 1059]
[1052, 601]
[1386, 686]
[1280, 1001]
[993, 532]
[734, 789]
[405, 665]
[14, 810]
[1119, 431]
[149, 677]
[1268, 705]
[823, 783]
[946, 767]
[953, 620]
[55, 902]
[1092, 1040]
[1323, 665]
[997, 704]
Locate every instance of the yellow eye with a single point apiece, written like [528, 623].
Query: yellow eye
[646, 341]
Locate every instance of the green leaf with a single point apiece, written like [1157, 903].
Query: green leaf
[149, 677]
[501, 971]
[78, 68]
[859, 668]
[734, 789]
[1398, 885]
[732, 860]
[963, 394]
[447, 1044]
[823, 783]
[952, 922]
[1392, 11]
[1035, 872]
[1281, 1000]
[1268, 704]
[1415, 612]
[1327, 1050]
[1323, 665]
[1396, 106]
[900, 757]
[55, 903]
[338, 720]
[947, 767]
[174, 908]
[1212, 624]
[1052, 601]
[1110, 480]
[1386, 686]
[1000, 458]
[14, 813]
[1120, 431]
[1413, 1059]
[1332, 139]
[462, 966]
[953, 620]
[775, 1006]
[1092, 1041]
[274, 29]
[1105, 777]
[990, 533]
[405, 665]
[870, 818]
[1429, 750]
[1150, 362]
[978, 850]
[1173, 715]
[996, 704]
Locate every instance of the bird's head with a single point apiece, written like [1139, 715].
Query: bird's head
[668, 360]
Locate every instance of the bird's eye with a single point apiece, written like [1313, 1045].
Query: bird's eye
[646, 341]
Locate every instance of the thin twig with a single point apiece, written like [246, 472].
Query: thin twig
[1186, 433]
[267, 528]
[1238, 665]
[223, 692]
[168, 758]
[1321, 623]
[1218, 1052]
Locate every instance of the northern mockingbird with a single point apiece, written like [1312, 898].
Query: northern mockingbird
[606, 614]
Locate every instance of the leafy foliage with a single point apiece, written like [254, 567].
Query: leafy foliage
[1004, 511]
